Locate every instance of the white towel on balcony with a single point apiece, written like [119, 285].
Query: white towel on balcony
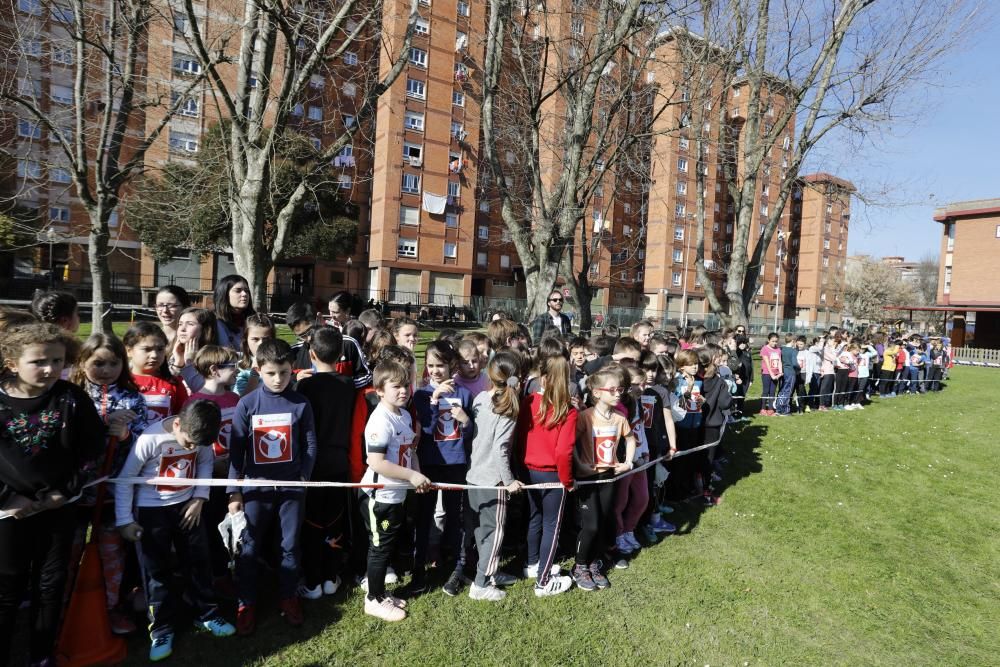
[435, 204]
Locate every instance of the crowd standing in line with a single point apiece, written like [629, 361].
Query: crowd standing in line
[554, 435]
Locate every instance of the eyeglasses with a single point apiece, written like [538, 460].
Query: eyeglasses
[305, 335]
[168, 306]
[617, 391]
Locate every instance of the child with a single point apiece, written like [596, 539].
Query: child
[546, 429]
[406, 332]
[102, 372]
[770, 373]
[389, 441]
[169, 518]
[938, 361]
[578, 359]
[59, 308]
[443, 411]
[331, 396]
[667, 411]
[843, 367]
[595, 457]
[146, 345]
[494, 415]
[808, 382]
[743, 372]
[717, 400]
[274, 437]
[470, 375]
[789, 376]
[632, 492]
[51, 441]
[690, 432]
[829, 350]
[865, 355]
[259, 328]
[196, 328]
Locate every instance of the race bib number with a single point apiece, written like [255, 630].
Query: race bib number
[221, 446]
[176, 463]
[405, 458]
[447, 429]
[648, 408]
[605, 444]
[157, 407]
[272, 438]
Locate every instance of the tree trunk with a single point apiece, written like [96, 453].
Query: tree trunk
[97, 258]
[250, 256]
[538, 285]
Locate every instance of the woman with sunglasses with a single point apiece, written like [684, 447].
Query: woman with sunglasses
[552, 318]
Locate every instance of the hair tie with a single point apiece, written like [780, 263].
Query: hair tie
[513, 382]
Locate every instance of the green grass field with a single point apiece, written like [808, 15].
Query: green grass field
[857, 538]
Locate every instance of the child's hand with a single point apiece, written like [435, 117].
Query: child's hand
[446, 387]
[739, 381]
[575, 402]
[622, 467]
[51, 501]
[236, 503]
[672, 452]
[191, 516]
[420, 482]
[304, 373]
[515, 486]
[460, 415]
[118, 422]
[132, 532]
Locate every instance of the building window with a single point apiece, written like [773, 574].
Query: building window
[407, 248]
[412, 153]
[422, 27]
[298, 110]
[763, 209]
[463, 8]
[350, 58]
[676, 279]
[627, 208]
[186, 65]
[826, 262]
[680, 210]
[348, 121]
[826, 244]
[59, 214]
[317, 82]
[28, 130]
[416, 88]
[411, 184]
[682, 187]
[682, 165]
[33, 7]
[947, 276]
[458, 98]
[62, 56]
[29, 169]
[484, 205]
[315, 113]
[450, 250]
[182, 141]
[60, 175]
[451, 220]
[454, 189]
[349, 90]
[409, 215]
[505, 235]
[61, 94]
[484, 233]
[504, 261]
[414, 121]
[481, 258]
[678, 233]
[998, 235]
[418, 57]
[577, 26]
[951, 235]
[187, 107]
[31, 48]
[678, 256]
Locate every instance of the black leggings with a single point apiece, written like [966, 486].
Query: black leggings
[826, 385]
[596, 504]
[843, 380]
[34, 555]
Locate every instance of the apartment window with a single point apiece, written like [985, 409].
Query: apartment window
[683, 144]
[826, 262]
[627, 208]
[715, 227]
[186, 65]
[828, 227]
[346, 181]
[678, 233]
[350, 58]
[31, 48]
[409, 215]
[315, 113]
[416, 88]
[350, 26]
[407, 248]
[505, 235]
[947, 276]
[348, 120]
[61, 94]
[577, 26]
[680, 210]
[454, 189]
[33, 7]
[451, 220]
[627, 230]
[298, 110]
[418, 57]
[786, 143]
[349, 89]
[998, 236]
[189, 107]
[463, 9]
[412, 152]
[450, 250]
[826, 244]
[729, 228]
[414, 121]
[317, 82]
[822, 297]
[457, 131]
[682, 165]
[62, 14]
[829, 207]
[763, 209]
[62, 56]
[458, 98]
[729, 247]
[484, 205]
[59, 175]
[182, 141]
[950, 229]
[422, 27]
[59, 214]
[411, 183]
[676, 279]
[504, 261]
[678, 256]
[484, 233]
[180, 25]
[481, 258]
[28, 130]
[682, 187]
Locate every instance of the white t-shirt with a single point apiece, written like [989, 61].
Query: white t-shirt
[391, 435]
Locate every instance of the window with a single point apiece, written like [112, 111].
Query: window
[678, 233]
[348, 120]
[683, 144]
[317, 82]
[454, 189]
[826, 244]
[181, 141]
[680, 210]
[346, 181]
[484, 205]
[505, 235]
[61, 94]
[414, 121]
[650, 77]
[484, 233]
[577, 26]
[33, 7]
[682, 165]
[627, 230]
[349, 89]
[729, 228]
[450, 250]
[457, 130]
[416, 88]
[422, 27]
[463, 8]
[315, 113]
[822, 297]
[411, 183]
[826, 262]
[786, 143]
[763, 209]
[409, 215]
[31, 48]
[350, 58]
[418, 57]
[481, 258]
[180, 25]
[62, 55]
[627, 208]
[62, 14]
[458, 98]
[678, 256]
[407, 248]
[676, 279]
[682, 188]
[950, 230]
[59, 214]
[729, 247]
[317, 143]
[947, 279]
[829, 207]
[298, 110]
[504, 261]
[60, 175]
[29, 130]
[412, 152]
[509, 156]
[951, 239]
[451, 220]
[188, 107]
[186, 65]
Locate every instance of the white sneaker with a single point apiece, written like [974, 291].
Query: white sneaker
[490, 593]
[630, 537]
[390, 576]
[364, 584]
[385, 610]
[310, 593]
[555, 586]
[621, 564]
[858, 406]
[504, 579]
[330, 587]
[531, 571]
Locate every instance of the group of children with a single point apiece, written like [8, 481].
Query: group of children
[496, 437]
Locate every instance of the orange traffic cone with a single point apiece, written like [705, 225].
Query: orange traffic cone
[86, 637]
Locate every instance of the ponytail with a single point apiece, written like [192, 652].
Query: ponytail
[555, 404]
[504, 371]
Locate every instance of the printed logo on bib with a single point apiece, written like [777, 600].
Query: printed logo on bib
[648, 406]
[605, 444]
[157, 407]
[774, 362]
[176, 463]
[446, 429]
[405, 457]
[221, 446]
[272, 438]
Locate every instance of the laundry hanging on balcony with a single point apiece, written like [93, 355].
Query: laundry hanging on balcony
[435, 204]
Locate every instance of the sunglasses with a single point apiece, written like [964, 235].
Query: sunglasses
[229, 365]
[555, 300]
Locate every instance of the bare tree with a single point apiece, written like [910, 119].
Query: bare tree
[273, 59]
[872, 284]
[95, 124]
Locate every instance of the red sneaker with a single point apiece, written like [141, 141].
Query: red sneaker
[291, 609]
[246, 620]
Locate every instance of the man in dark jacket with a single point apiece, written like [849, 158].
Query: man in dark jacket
[552, 318]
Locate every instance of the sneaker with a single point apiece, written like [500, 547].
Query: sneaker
[162, 647]
[503, 579]
[330, 587]
[391, 577]
[555, 586]
[665, 509]
[630, 538]
[808, 409]
[623, 545]
[384, 609]
[858, 406]
[597, 575]
[839, 408]
[399, 602]
[291, 609]
[310, 593]
[661, 526]
[246, 619]
[453, 586]
[217, 626]
[823, 408]
[489, 593]
[716, 477]
[418, 584]
[621, 564]
[120, 622]
[531, 571]
[648, 535]
[582, 578]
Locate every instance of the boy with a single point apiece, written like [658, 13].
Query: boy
[641, 332]
[578, 359]
[331, 396]
[390, 441]
[789, 376]
[169, 517]
[274, 437]
[301, 319]
[770, 373]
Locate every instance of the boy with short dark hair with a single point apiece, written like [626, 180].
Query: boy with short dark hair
[274, 437]
[168, 517]
[301, 319]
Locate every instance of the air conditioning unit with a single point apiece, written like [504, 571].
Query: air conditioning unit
[416, 161]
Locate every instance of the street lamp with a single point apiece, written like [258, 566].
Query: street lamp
[777, 297]
[350, 262]
[51, 236]
[687, 257]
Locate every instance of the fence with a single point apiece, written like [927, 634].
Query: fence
[974, 356]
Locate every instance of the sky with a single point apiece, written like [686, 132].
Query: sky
[950, 152]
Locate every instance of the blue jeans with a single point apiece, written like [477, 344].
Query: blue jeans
[767, 392]
[784, 402]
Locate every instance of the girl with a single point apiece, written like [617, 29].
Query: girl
[717, 401]
[690, 431]
[743, 372]
[470, 373]
[233, 305]
[494, 417]
[146, 346]
[662, 383]
[259, 328]
[865, 355]
[829, 350]
[50, 441]
[546, 428]
[196, 328]
[443, 413]
[59, 308]
[595, 458]
[405, 331]
[170, 301]
[103, 372]
[844, 365]
[632, 492]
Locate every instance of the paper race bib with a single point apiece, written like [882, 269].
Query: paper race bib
[605, 444]
[272, 438]
[773, 361]
[447, 429]
[648, 407]
[406, 453]
[221, 446]
[176, 463]
[157, 407]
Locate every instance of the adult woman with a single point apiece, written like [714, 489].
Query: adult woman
[196, 328]
[170, 301]
[352, 360]
[233, 305]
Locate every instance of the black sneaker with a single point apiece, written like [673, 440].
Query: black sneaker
[597, 575]
[582, 578]
[417, 585]
[454, 584]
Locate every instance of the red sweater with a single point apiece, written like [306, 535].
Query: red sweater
[546, 448]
